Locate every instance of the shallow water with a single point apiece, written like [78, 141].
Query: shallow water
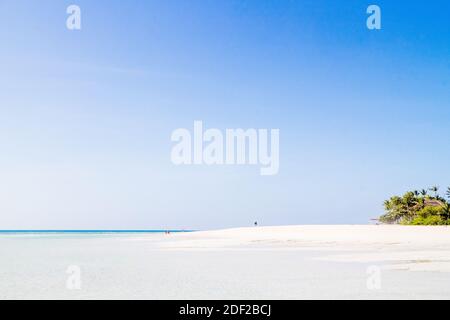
[135, 266]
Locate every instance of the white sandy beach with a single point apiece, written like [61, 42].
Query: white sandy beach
[414, 248]
[295, 262]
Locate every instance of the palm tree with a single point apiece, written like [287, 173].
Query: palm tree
[434, 189]
[447, 211]
[415, 204]
[387, 205]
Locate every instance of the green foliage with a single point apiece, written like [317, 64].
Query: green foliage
[429, 221]
[417, 208]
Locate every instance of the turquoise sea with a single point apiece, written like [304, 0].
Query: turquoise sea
[68, 234]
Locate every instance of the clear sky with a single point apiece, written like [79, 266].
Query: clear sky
[86, 116]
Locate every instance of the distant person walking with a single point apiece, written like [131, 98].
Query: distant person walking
[256, 223]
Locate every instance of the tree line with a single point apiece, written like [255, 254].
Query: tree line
[418, 207]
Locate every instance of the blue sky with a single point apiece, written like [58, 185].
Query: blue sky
[86, 116]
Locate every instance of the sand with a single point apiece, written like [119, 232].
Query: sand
[296, 262]
[425, 248]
